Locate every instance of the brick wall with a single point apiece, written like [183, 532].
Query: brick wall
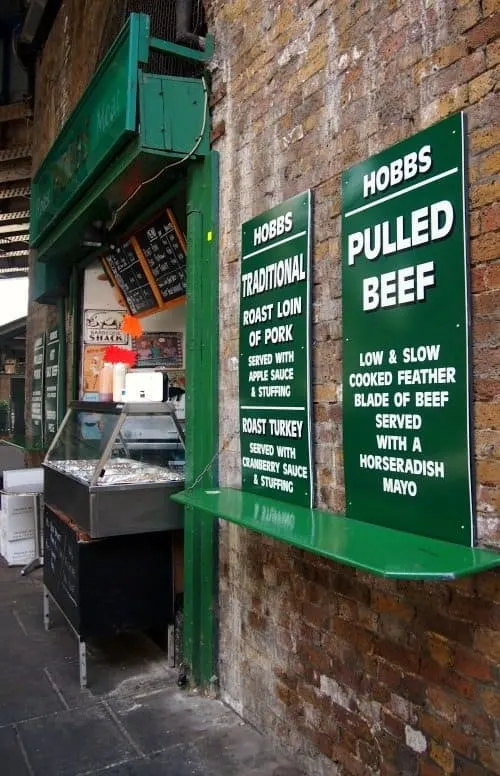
[354, 674]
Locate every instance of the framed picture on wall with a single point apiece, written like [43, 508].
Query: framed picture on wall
[159, 349]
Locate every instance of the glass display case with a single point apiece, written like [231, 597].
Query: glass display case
[111, 468]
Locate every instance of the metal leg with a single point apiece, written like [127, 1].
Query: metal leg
[171, 646]
[37, 561]
[46, 609]
[82, 656]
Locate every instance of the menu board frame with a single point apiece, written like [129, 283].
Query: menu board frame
[132, 239]
[52, 385]
[406, 344]
[37, 390]
[275, 353]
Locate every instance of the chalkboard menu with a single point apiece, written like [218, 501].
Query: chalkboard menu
[100, 584]
[129, 275]
[60, 556]
[37, 390]
[163, 249]
[149, 268]
[51, 389]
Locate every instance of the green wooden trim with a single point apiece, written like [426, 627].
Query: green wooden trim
[374, 548]
[61, 376]
[89, 132]
[200, 551]
[75, 311]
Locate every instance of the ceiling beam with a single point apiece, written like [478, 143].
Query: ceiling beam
[16, 215]
[16, 171]
[15, 110]
[13, 254]
[14, 271]
[9, 192]
[11, 228]
[16, 152]
[13, 239]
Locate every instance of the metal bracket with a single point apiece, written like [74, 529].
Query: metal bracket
[165, 46]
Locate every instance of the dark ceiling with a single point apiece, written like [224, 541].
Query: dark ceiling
[9, 8]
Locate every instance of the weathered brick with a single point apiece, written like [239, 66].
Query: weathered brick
[486, 247]
[443, 757]
[485, 31]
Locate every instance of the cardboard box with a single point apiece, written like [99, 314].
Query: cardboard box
[18, 553]
[23, 481]
[18, 517]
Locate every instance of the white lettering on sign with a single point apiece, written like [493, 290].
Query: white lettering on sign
[400, 487]
[402, 286]
[284, 357]
[427, 375]
[263, 359]
[396, 420]
[273, 228]
[281, 273]
[286, 428]
[397, 171]
[279, 334]
[254, 425]
[274, 391]
[392, 442]
[371, 399]
[414, 466]
[427, 224]
[260, 314]
[371, 359]
[431, 398]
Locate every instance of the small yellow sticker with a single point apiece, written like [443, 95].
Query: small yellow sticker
[209, 236]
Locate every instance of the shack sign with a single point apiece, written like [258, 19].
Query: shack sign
[275, 395]
[102, 327]
[406, 337]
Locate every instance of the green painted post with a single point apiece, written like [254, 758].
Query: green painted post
[201, 549]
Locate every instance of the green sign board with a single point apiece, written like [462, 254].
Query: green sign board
[405, 294]
[274, 370]
[103, 119]
[51, 392]
[37, 390]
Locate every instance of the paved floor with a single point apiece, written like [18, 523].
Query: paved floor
[132, 720]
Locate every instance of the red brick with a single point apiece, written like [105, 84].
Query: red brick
[490, 217]
[482, 33]
[440, 729]
[429, 769]
[490, 700]
[493, 277]
[486, 247]
[473, 665]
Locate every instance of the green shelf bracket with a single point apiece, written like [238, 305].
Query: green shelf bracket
[373, 548]
[183, 52]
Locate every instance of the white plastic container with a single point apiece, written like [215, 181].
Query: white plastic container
[119, 373]
[106, 382]
[23, 481]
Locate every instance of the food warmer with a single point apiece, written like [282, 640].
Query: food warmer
[112, 468]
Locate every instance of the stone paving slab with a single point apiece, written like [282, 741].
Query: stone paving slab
[11, 757]
[132, 720]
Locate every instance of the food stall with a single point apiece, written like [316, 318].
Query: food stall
[108, 518]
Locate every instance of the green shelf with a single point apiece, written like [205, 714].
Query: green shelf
[373, 548]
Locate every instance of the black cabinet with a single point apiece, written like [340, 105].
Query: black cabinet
[111, 585]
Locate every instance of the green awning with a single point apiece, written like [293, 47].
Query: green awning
[379, 550]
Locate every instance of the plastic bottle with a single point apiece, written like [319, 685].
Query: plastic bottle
[119, 372]
[106, 382]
